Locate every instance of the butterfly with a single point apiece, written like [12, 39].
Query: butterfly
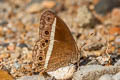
[56, 46]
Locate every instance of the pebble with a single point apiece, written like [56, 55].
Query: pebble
[4, 44]
[117, 40]
[29, 56]
[22, 45]
[95, 72]
[117, 63]
[4, 55]
[111, 38]
[116, 76]
[48, 4]
[35, 7]
[11, 47]
[83, 16]
[114, 30]
[110, 77]
[106, 77]
[103, 60]
[16, 65]
[115, 20]
[3, 23]
[25, 50]
[34, 77]
[105, 6]
[17, 54]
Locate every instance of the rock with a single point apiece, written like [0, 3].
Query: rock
[11, 47]
[116, 77]
[35, 7]
[117, 63]
[4, 55]
[4, 44]
[22, 45]
[83, 17]
[34, 77]
[48, 4]
[105, 6]
[106, 77]
[17, 54]
[3, 23]
[16, 65]
[63, 72]
[115, 14]
[110, 77]
[94, 72]
[114, 30]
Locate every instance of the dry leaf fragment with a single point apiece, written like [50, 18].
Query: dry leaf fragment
[5, 76]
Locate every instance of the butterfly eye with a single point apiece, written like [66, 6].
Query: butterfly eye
[46, 32]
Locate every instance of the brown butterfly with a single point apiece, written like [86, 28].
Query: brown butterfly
[56, 47]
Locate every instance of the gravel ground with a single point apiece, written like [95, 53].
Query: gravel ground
[97, 36]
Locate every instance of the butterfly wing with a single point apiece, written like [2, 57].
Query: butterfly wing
[41, 46]
[65, 50]
[56, 47]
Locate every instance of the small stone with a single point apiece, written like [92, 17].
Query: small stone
[116, 77]
[17, 53]
[103, 60]
[4, 44]
[105, 6]
[20, 25]
[94, 72]
[117, 40]
[97, 53]
[3, 23]
[25, 50]
[106, 77]
[115, 16]
[63, 72]
[22, 45]
[114, 30]
[29, 56]
[111, 49]
[35, 7]
[11, 47]
[117, 63]
[83, 17]
[48, 4]
[111, 38]
[33, 77]
[4, 55]
[16, 65]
